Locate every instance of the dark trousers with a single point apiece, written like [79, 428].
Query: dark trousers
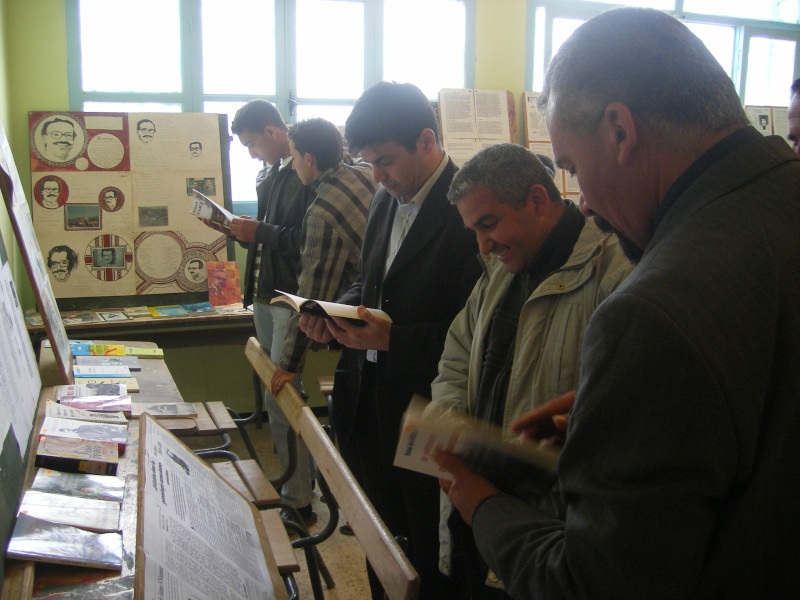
[408, 502]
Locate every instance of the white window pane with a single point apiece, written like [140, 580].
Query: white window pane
[439, 61]
[562, 29]
[130, 46]
[770, 70]
[239, 47]
[768, 10]
[659, 4]
[330, 49]
[130, 107]
[335, 114]
[243, 168]
[719, 40]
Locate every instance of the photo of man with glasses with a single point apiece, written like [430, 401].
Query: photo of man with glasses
[146, 130]
[48, 192]
[58, 138]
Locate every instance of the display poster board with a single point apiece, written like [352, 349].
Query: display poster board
[20, 387]
[197, 537]
[473, 119]
[111, 195]
[769, 120]
[18, 210]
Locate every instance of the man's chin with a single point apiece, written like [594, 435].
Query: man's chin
[632, 252]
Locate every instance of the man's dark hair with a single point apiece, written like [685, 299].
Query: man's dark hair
[112, 250]
[648, 61]
[56, 120]
[390, 112]
[198, 143]
[255, 116]
[139, 124]
[796, 86]
[72, 256]
[321, 139]
[198, 261]
[43, 180]
[508, 171]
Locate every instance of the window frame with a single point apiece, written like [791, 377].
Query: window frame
[538, 56]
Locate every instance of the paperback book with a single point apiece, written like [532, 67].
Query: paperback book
[95, 371]
[61, 411]
[99, 403]
[99, 487]
[84, 349]
[167, 410]
[86, 430]
[74, 455]
[82, 390]
[144, 352]
[318, 308]
[171, 310]
[130, 383]
[132, 362]
[515, 467]
[87, 513]
[41, 541]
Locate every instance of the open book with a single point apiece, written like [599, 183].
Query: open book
[517, 467]
[205, 208]
[318, 308]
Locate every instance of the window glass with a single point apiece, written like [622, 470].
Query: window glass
[659, 4]
[130, 107]
[239, 47]
[243, 168]
[335, 114]
[772, 10]
[770, 70]
[562, 29]
[439, 62]
[130, 46]
[719, 40]
[330, 49]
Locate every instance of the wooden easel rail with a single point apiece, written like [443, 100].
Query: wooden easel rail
[398, 577]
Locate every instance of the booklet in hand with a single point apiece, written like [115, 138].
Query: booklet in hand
[326, 310]
[205, 208]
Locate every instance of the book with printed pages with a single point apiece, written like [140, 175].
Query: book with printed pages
[42, 541]
[326, 310]
[166, 410]
[82, 485]
[84, 390]
[85, 430]
[518, 467]
[87, 513]
[74, 455]
[99, 403]
[63, 411]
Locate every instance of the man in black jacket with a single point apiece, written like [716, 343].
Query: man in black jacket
[273, 243]
[418, 264]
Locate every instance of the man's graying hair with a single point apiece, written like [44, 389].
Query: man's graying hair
[507, 170]
[648, 61]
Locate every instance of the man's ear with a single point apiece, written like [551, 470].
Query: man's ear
[426, 140]
[310, 160]
[620, 128]
[539, 199]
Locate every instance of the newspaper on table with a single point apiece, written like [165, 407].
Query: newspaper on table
[198, 537]
[205, 208]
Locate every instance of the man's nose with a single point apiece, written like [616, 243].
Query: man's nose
[485, 244]
[378, 174]
[584, 208]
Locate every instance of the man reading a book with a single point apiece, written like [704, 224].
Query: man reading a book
[273, 242]
[678, 470]
[418, 264]
[333, 228]
[516, 344]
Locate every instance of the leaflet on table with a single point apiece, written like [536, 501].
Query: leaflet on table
[174, 539]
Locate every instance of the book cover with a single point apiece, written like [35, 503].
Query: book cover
[81, 390]
[199, 308]
[37, 540]
[99, 403]
[87, 513]
[112, 315]
[130, 383]
[132, 362]
[224, 286]
[515, 467]
[78, 318]
[170, 310]
[99, 487]
[319, 308]
[167, 410]
[61, 411]
[136, 312]
[85, 430]
[204, 207]
[75, 455]
[144, 352]
[84, 349]
[94, 371]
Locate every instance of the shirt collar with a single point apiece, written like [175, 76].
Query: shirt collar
[423, 192]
